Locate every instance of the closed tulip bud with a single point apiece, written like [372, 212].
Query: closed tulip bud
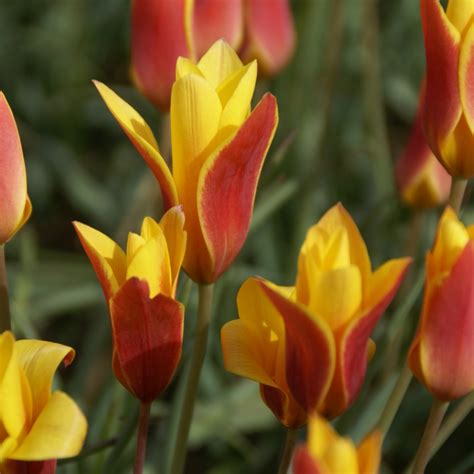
[218, 149]
[328, 453]
[140, 288]
[308, 345]
[442, 353]
[36, 426]
[15, 206]
[448, 114]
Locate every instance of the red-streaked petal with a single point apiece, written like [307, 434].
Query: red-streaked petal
[227, 187]
[31, 467]
[466, 75]
[148, 336]
[158, 39]
[12, 175]
[310, 351]
[447, 332]
[215, 19]
[303, 462]
[270, 34]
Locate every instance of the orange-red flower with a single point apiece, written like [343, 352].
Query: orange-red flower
[442, 352]
[308, 345]
[15, 206]
[140, 288]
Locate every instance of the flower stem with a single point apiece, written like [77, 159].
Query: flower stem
[142, 435]
[287, 450]
[5, 324]
[197, 359]
[438, 409]
[458, 186]
[394, 401]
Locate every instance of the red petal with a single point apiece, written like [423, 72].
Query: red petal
[31, 467]
[148, 337]
[303, 463]
[228, 183]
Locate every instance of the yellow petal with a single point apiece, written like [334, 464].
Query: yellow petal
[39, 361]
[369, 453]
[459, 12]
[134, 243]
[185, 66]
[58, 432]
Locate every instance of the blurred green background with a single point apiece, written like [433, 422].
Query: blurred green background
[346, 102]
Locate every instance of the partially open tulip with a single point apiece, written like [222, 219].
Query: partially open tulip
[328, 453]
[15, 206]
[218, 149]
[449, 108]
[35, 424]
[442, 352]
[164, 30]
[140, 288]
[421, 179]
[308, 345]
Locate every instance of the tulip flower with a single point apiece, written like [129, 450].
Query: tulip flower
[448, 114]
[218, 149]
[421, 179]
[15, 206]
[328, 453]
[442, 352]
[35, 424]
[162, 31]
[140, 288]
[308, 345]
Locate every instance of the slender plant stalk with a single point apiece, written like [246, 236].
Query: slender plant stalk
[287, 450]
[142, 435]
[394, 401]
[438, 409]
[5, 324]
[197, 359]
[456, 195]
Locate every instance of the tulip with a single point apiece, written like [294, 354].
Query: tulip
[442, 352]
[15, 206]
[448, 114]
[308, 345]
[421, 179]
[328, 453]
[218, 152]
[140, 288]
[35, 424]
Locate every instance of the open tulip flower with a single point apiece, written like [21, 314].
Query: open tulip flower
[328, 453]
[442, 352]
[164, 30]
[15, 206]
[140, 288]
[218, 150]
[308, 345]
[36, 426]
[449, 107]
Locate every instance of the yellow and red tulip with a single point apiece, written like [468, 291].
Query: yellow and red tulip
[449, 108]
[15, 206]
[140, 288]
[308, 345]
[36, 426]
[442, 352]
[328, 453]
[218, 149]
[421, 179]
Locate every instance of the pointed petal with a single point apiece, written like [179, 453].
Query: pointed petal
[12, 175]
[369, 453]
[227, 186]
[58, 432]
[107, 258]
[158, 39]
[303, 462]
[148, 336]
[283, 406]
[466, 75]
[142, 138]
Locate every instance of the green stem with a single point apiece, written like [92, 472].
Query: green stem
[197, 359]
[394, 401]
[5, 324]
[142, 435]
[458, 186]
[438, 409]
[287, 450]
